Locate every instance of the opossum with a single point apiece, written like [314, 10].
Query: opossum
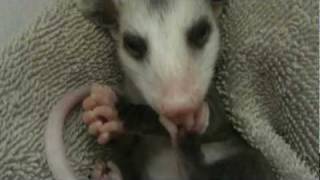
[168, 51]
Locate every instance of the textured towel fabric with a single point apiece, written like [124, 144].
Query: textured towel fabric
[267, 75]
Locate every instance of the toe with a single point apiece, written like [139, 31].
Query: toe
[88, 117]
[114, 127]
[103, 94]
[89, 104]
[107, 113]
[104, 138]
[94, 128]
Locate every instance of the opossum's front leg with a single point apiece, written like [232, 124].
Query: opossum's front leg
[101, 114]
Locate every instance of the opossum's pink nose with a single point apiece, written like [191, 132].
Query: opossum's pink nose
[176, 111]
[180, 100]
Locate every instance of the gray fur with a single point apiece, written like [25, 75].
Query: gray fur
[159, 4]
[159, 7]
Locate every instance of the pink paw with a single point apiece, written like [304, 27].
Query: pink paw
[100, 115]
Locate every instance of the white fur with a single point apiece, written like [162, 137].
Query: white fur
[217, 151]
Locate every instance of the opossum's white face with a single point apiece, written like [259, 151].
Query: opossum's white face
[168, 49]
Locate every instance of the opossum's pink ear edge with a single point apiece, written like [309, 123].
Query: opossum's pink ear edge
[101, 12]
[111, 11]
[217, 6]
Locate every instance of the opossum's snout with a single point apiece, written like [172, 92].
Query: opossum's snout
[175, 111]
[179, 104]
[185, 108]
[185, 119]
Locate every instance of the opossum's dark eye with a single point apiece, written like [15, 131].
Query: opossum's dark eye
[199, 33]
[135, 45]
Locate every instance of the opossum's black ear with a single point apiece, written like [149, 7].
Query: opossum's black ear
[217, 6]
[102, 12]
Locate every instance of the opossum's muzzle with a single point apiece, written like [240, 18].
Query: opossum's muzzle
[180, 102]
[186, 120]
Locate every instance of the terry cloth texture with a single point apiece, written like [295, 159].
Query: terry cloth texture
[267, 74]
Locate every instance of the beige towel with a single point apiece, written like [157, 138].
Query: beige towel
[267, 75]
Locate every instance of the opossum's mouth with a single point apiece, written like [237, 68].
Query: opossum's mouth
[195, 123]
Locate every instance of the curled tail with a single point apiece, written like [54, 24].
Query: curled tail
[54, 145]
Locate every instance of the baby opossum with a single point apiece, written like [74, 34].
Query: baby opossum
[168, 50]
